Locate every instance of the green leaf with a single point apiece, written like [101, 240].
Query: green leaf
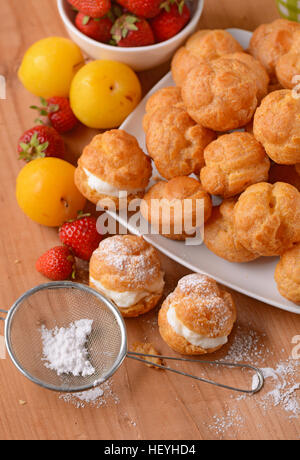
[85, 20]
[44, 102]
[24, 146]
[53, 108]
[44, 146]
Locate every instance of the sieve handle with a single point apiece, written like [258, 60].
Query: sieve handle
[260, 377]
[3, 311]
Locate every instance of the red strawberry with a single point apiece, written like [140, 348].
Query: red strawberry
[170, 21]
[92, 8]
[97, 28]
[130, 31]
[59, 112]
[143, 8]
[39, 142]
[57, 264]
[81, 236]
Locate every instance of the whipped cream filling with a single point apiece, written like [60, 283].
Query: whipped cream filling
[129, 298]
[191, 336]
[104, 188]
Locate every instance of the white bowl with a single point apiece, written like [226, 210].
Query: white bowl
[138, 58]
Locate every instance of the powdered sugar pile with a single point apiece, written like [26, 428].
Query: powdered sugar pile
[285, 382]
[64, 349]
[96, 397]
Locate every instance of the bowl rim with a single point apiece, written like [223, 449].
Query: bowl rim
[193, 22]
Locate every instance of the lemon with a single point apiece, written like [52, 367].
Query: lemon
[49, 66]
[103, 93]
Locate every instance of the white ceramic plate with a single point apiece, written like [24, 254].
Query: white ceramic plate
[255, 279]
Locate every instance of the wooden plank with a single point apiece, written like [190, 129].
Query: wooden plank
[142, 403]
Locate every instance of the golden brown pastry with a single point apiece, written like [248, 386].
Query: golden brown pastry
[182, 63]
[165, 97]
[176, 142]
[204, 45]
[219, 234]
[277, 125]
[221, 94]
[111, 163]
[271, 41]
[288, 65]
[212, 44]
[257, 70]
[287, 274]
[232, 163]
[283, 173]
[127, 270]
[197, 317]
[148, 349]
[267, 218]
[170, 213]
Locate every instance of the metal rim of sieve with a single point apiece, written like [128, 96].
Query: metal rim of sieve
[65, 285]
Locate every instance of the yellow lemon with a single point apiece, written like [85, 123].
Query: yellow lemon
[46, 191]
[103, 93]
[49, 66]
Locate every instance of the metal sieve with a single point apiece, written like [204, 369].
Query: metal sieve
[58, 304]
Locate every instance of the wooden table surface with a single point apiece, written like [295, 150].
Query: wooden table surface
[138, 403]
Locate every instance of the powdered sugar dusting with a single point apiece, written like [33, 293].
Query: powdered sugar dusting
[64, 349]
[134, 264]
[96, 397]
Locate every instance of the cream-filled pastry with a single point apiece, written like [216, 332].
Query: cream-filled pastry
[197, 317]
[127, 270]
[111, 164]
[175, 207]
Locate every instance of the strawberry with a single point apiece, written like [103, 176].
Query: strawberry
[171, 20]
[57, 264]
[81, 235]
[40, 142]
[59, 112]
[96, 28]
[142, 8]
[129, 31]
[92, 8]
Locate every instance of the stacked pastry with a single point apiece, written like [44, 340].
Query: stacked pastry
[230, 127]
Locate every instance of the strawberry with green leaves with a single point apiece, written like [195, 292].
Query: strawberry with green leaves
[81, 236]
[39, 142]
[59, 113]
[172, 19]
[130, 31]
[95, 28]
[142, 8]
[92, 8]
[57, 264]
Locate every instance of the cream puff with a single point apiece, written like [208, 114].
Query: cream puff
[164, 97]
[287, 274]
[204, 45]
[219, 235]
[257, 70]
[111, 164]
[232, 163]
[271, 41]
[182, 63]
[127, 270]
[267, 218]
[212, 44]
[175, 142]
[176, 208]
[197, 317]
[277, 125]
[220, 95]
[288, 65]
